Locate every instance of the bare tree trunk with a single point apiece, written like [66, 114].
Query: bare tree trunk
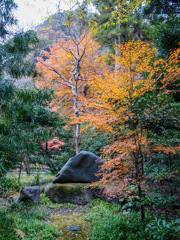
[77, 139]
[139, 176]
[19, 175]
[75, 91]
[117, 42]
[49, 162]
[78, 126]
[142, 206]
[26, 163]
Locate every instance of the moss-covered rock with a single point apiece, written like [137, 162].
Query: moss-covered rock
[69, 193]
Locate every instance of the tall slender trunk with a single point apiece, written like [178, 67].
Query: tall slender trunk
[77, 139]
[139, 170]
[76, 103]
[117, 42]
[25, 160]
[49, 162]
[77, 134]
[138, 177]
[170, 163]
[142, 206]
[19, 175]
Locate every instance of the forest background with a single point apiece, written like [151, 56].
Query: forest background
[105, 81]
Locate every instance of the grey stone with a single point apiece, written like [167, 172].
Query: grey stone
[74, 229]
[30, 193]
[74, 193]
[80, 169]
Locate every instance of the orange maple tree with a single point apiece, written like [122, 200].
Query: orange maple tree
[68, 67]
[112, 110]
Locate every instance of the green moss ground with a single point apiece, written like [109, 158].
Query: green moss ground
[50, 220]
[72, 215]
[62, 223]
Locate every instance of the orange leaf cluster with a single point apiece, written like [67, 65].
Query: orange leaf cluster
[167, 150]
[61, 61]
[110, 108]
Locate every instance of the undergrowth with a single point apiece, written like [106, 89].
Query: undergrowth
[111, 222]
[107, 221]
[26, 221]
[8, 184]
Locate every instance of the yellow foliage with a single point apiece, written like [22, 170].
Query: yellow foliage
[109, 109]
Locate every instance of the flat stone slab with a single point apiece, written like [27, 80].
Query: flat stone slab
[69, 193]
[74, 229]
[80, 169]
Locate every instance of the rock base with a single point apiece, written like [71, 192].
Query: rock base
[69, 193]
[30, 193]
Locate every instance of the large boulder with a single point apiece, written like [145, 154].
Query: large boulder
[80, 169]
[75, 193]
[30, 193]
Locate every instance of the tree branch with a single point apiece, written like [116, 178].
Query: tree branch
[54, 70]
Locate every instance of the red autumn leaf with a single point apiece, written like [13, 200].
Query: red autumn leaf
[165, 183]
[53, 144]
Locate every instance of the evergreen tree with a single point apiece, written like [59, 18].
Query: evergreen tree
[25, 118]
[7, 19]
[165, 16]
[132, 27]
[14, 51]
[13, 55]
[25, 122]
[158, 9]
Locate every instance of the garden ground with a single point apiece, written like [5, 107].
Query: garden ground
[98, 220]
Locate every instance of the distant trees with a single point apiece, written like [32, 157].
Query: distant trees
[108, 29]
[164, 15]
[108, 21]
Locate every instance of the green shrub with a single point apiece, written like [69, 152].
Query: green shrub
[112, 222]
[163, 230]
[35, 229]
[36, 176]
[7, 231]
[45, 199]
[109, 223]
[93, 141]
[60, 160]
[8, 184]
[28, 219]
